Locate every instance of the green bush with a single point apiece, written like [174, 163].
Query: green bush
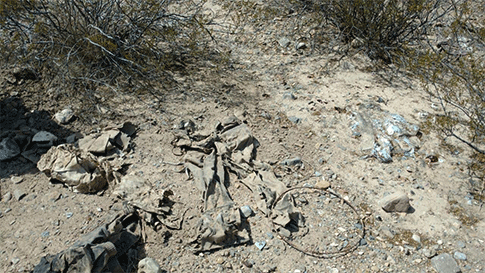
[101, 42]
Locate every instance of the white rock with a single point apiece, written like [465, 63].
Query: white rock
[149, 265]
[64, 116]
[44, 139]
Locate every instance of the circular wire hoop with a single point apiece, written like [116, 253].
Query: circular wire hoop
[351, 246]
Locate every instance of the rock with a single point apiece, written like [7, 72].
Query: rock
[386, 232]
[322, 184]
[64, 116]
[260, 245]
[7, 197]
[396, 202]
[301, 45]
[460, 244]
[8, 149]
[149, 265]
[19, 194]
[294, 119]
[289, 96]
[16, 179]
[246, 211]
[291, 162]
[459, 256]
[429, 253]
[444, 263]
[284, 42]
[44, 139]
[416, 238]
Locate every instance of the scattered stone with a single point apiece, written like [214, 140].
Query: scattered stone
[396, 202]
[416, 238]
[45, 234]
[19, 194]
[460, 244]
[15, 260]
[289, 96]
[294, 119]
[459, 256]
[429, 253]
[149, 265]
[246, 211]
[444, 263]
[260, 245]
[7, 197]
[44, 139]
[386, 232]
[322, 184]
[69, 215]
[291, 162]
[64, 116]
[16, 179]
[270, 235]
[8, 149]
[284, 42]
[301, 45]
[333, 270]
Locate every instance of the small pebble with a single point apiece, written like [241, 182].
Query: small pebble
[69, 214]
[459, 256]
[17, 179]
[260, 245]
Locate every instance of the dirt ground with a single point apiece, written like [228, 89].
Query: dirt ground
[297, 104]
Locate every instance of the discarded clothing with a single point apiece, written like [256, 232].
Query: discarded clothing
[151, 203]
[108, 248]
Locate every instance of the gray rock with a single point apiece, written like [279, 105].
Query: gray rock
[260, 245]
[284, 42]
[19, 194]
[44, 139]
[416, 238]
[291, 162]
[295, 119]
[429, 253]
[396, 202]
[301, 45]
[64, 116]
[289, 96]
[8, 149]
[149, 265]
[444, 263]
[460, 244]
[246, 211]
[7, 197]
[16, 179]
[459, 256]
[386, 232]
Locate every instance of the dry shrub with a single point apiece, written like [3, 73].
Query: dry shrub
[114, 43]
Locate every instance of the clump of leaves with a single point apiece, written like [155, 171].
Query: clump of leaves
[102, 42]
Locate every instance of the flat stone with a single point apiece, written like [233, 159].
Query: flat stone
[19, 194]
[459, 256]
[16, 179]
[295, 119]
[322, 184]
[149, 265]
[284, 42]
[416, 238]
[291, 162]
[260, 245]
[444, 263]
[7, 197]
[246, 211]
[8, 149]
[44, 139]
[289, 96]
[64, 116]
[396, 202]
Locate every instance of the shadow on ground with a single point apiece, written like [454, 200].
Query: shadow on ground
[19, 152]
